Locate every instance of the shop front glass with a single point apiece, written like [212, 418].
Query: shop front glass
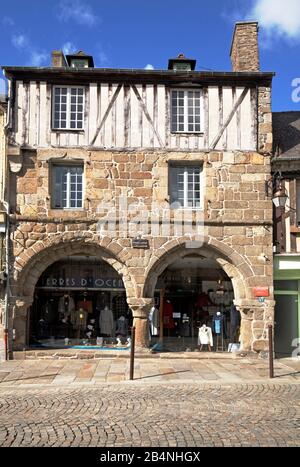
[194, 304]
[80, 301]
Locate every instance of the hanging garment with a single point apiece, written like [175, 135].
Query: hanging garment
[154, 321]
[106, 322]
[86, 305]
[61, 305]
[205, 336]
[235, 320]
[168, 315]
[203, 300]
[122, 327]
[71, 305]
[219, 324]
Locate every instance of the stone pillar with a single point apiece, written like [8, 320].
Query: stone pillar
[19, 322]
[2, 349]
[255, 318]
[140, 308]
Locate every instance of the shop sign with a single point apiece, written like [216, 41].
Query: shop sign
[261, 292]
[81, 282]
[140, 243]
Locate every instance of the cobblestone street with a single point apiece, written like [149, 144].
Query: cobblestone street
[173, 403]
[152, 415]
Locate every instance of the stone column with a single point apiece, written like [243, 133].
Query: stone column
[140, 308]
[255, 318]
[19, 322]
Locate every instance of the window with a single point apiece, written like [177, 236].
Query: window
[67, 186]
[68, 108]
[186, 111]
[185, 186]
[79, 63]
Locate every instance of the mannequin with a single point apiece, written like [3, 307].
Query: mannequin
[122, 327]
[154, 321]
[205, 337]
[106, 321]
[219, 324]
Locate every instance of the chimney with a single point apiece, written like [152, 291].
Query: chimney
[58, 59]
[244, 49]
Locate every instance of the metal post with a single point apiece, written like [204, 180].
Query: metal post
[132, 348]
[271, 356]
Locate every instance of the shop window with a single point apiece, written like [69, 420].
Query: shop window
[186, 108]
[185, 186]
[67, 186]
[68, 108]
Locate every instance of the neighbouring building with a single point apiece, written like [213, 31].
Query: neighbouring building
[3, 210]
[191, 148]
[286, 170]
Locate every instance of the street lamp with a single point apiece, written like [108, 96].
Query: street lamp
[275, 189]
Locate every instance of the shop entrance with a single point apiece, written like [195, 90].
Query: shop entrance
[194, 305]
[79, 300]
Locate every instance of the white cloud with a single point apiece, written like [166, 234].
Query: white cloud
[20, 41]
[149, 67]
[278, 17]
[78, 11]
[37, 58]
[69, 48]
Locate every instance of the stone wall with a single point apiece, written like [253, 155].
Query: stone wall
[237, 233]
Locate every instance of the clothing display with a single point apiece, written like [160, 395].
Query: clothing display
[168, 315]
[106, 321]
[235, 321]
[122, 326]
[79, 318]
[219, 324]
[86, 305]
[66, 305]
[205, 336]
[203, 300]
[154, 321]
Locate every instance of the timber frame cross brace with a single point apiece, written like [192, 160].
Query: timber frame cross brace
[237, 103]
[142, 106]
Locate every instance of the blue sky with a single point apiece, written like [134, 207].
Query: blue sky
[137, 33]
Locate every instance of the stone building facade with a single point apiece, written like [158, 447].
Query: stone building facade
[127, 147]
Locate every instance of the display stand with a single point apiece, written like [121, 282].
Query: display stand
[220, 344]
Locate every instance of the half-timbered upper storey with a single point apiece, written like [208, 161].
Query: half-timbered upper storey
[116, 109]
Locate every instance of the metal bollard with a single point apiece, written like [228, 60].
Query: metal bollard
[271, 352]
[132, 348]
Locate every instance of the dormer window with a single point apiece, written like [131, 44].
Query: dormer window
[75, 63]
[80, 60]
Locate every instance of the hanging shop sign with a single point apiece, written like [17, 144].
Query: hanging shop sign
[82, 282]
[140, 243]
[261, 292]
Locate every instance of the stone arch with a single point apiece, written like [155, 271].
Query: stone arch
[235, 265]
[35, 260]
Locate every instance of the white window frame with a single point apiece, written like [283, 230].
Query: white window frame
[68, 111]
[186, 91]
[185, 169]
[68, 206]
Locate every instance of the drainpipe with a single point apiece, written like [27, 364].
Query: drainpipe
[7, 292]
[7, 208]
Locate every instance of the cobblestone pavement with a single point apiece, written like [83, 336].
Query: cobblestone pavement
[163, 414]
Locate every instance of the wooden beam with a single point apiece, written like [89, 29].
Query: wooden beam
[229, 118]
[110, 105]
[145, 110]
